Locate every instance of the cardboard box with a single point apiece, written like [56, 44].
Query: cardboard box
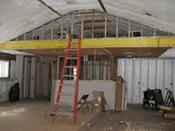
[120, 95]
[97, 94]
[98, 101]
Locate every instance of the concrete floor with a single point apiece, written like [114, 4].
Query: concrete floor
[34, 116]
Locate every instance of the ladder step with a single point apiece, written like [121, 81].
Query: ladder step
[74, 42]
[62, 113]
[70, 66]
[64, 104]
[69, 76]
[66, 94]
[72, 58]
[71, 49]
[68, 84]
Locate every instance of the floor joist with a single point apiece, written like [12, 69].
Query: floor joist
[92, 43]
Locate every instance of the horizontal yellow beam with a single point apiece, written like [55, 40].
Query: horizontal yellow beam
[93, 43]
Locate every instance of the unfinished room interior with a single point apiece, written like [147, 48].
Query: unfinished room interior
[87, 65]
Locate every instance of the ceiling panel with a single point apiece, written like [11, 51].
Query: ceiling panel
[119, 52]
[14, 52]
[170, 53]
[20, 16]
[161, 11]
[66, 6]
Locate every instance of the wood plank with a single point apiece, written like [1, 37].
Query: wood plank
[62, 27]
[33, 78]
[136, 42]
[46, 77]
[52, 30]
[53, 79]
[102, 68]
[93, 68]
[93, 25]
[86, 70]
[94, 65]
[42, 33]
[116, 26]
[58, 68]
[25, 36]
[154, 32]
[82, 26]
[129, 28]
[118, 94]
[72, 26]
[107, 69]
[166, 108]
[105, 33]
[113, 68]
[169, 115]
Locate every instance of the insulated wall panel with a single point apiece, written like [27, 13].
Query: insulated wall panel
[151, 74]
[128, 77]
[141, 74]
[144, 76]
[160, 75]
[135, 92]
[173, 77]
[168, 74]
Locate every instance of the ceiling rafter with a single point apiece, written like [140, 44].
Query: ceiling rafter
[102, 6]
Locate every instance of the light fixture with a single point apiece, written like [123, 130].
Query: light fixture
[70, 2]
[148, 14]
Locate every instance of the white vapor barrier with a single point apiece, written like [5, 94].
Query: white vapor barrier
[87, 87]
[141, 74]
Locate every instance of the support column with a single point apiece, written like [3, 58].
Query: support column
[116, 26]
[54, 78]
[129, 28]
[86, 69]
[33, 78]
[72, 26]
[113, 73]
[62, 27]
[154, 32]
[52, 30]
[106, 18]
[42, 33]
[46, 77]
[94, 66]
[93, 25]
[82, 26]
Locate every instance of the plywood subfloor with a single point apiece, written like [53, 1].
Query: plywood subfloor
[34, 116]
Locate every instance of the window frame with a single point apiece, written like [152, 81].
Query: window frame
[8, 77]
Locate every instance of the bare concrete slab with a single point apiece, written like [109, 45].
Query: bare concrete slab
[34, 116]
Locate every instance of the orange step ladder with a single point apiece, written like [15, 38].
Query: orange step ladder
[73, 113]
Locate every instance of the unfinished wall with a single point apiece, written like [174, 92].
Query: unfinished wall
[15, 75]
[20, 71]
[87, 87]
[141, 74]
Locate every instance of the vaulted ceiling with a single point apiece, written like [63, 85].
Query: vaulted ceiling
[20, 16]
